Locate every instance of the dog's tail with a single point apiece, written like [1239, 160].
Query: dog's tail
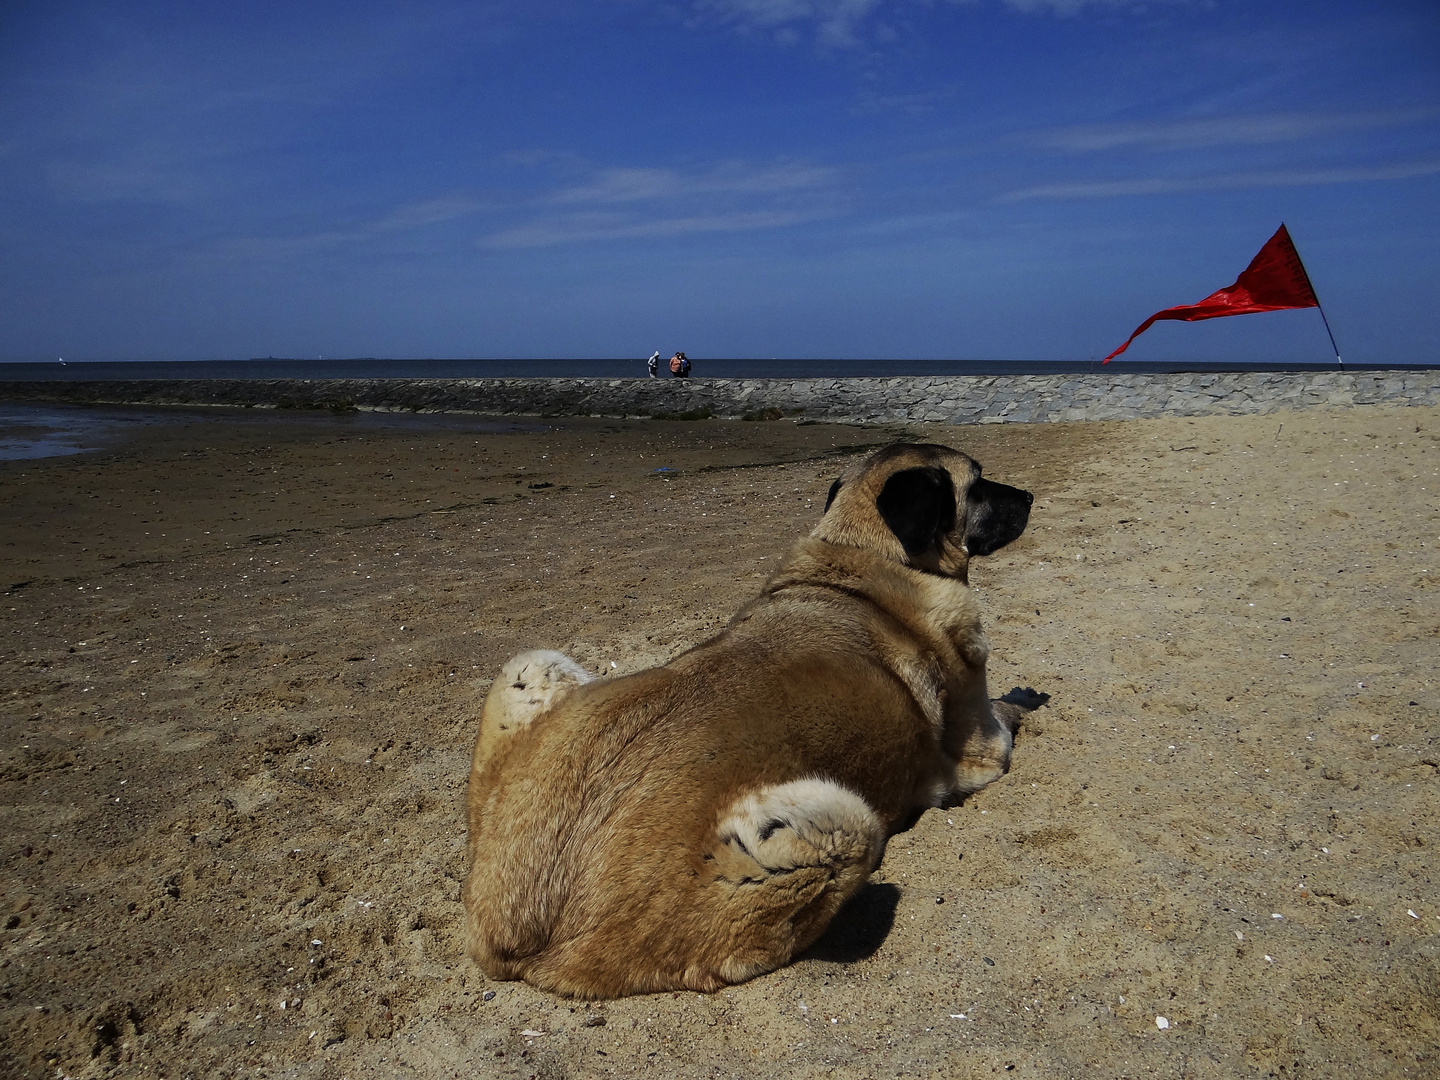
[528, 685]
[783, 860]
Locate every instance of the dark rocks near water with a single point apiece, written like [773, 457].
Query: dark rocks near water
[960, 399]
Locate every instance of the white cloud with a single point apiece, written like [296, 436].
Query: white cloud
[647, 203]
[430, 212]
[587, 228]
[1074, 7]
[623, 185]
[637, 185]
[916, 104]
[1110, 189]
[534, 157]
[406, 218]
[838, 22]
[835, 20]
[132, 175]
[613, 204]
[1195, 133]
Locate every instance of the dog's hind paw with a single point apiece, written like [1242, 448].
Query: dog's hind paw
[814, 823]
[784, 858]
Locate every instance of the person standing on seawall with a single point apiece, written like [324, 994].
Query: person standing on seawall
[679, 366]
[653, 364]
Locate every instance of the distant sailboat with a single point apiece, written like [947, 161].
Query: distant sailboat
[61, 361]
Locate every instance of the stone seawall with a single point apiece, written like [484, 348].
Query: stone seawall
[962, 399]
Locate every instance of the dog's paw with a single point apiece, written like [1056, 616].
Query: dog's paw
[782, 861]
[1025, 697]
[1011, 709]
[814, 823]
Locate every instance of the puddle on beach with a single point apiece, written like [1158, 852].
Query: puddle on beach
[43, 431]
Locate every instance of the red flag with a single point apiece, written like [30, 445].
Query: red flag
[1274, 281]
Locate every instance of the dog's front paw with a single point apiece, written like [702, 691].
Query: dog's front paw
[1012, 707]
[1025, 697]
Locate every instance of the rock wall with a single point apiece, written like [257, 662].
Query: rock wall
[963, 399]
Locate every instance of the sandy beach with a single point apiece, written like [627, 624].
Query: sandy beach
[243, 657]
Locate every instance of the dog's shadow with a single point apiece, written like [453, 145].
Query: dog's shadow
[860, 927]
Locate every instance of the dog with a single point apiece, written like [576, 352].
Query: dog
[698, 824]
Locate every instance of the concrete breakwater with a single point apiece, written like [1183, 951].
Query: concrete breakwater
[960, 399]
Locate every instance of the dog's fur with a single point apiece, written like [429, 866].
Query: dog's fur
[698, 824]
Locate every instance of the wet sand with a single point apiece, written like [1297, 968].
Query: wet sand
[241, 665]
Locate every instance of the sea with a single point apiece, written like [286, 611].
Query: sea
[611, 368]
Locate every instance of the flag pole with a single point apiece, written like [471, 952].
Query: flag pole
[1327, 329]
[1318, 307]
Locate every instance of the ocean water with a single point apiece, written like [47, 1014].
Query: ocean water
[369, 368]
[29, 432]
[41, 431]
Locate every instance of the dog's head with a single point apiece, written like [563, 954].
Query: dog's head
[923, 505]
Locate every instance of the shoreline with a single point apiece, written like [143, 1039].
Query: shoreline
[959, 399]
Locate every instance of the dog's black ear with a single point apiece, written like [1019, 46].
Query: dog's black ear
[919, 506]
[834, 490]
[995, 514]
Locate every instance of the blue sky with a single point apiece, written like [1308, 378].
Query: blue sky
[1006, 179]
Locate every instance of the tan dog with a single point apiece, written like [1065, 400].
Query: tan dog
[698, 824]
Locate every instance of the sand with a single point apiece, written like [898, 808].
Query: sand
[241, 661]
